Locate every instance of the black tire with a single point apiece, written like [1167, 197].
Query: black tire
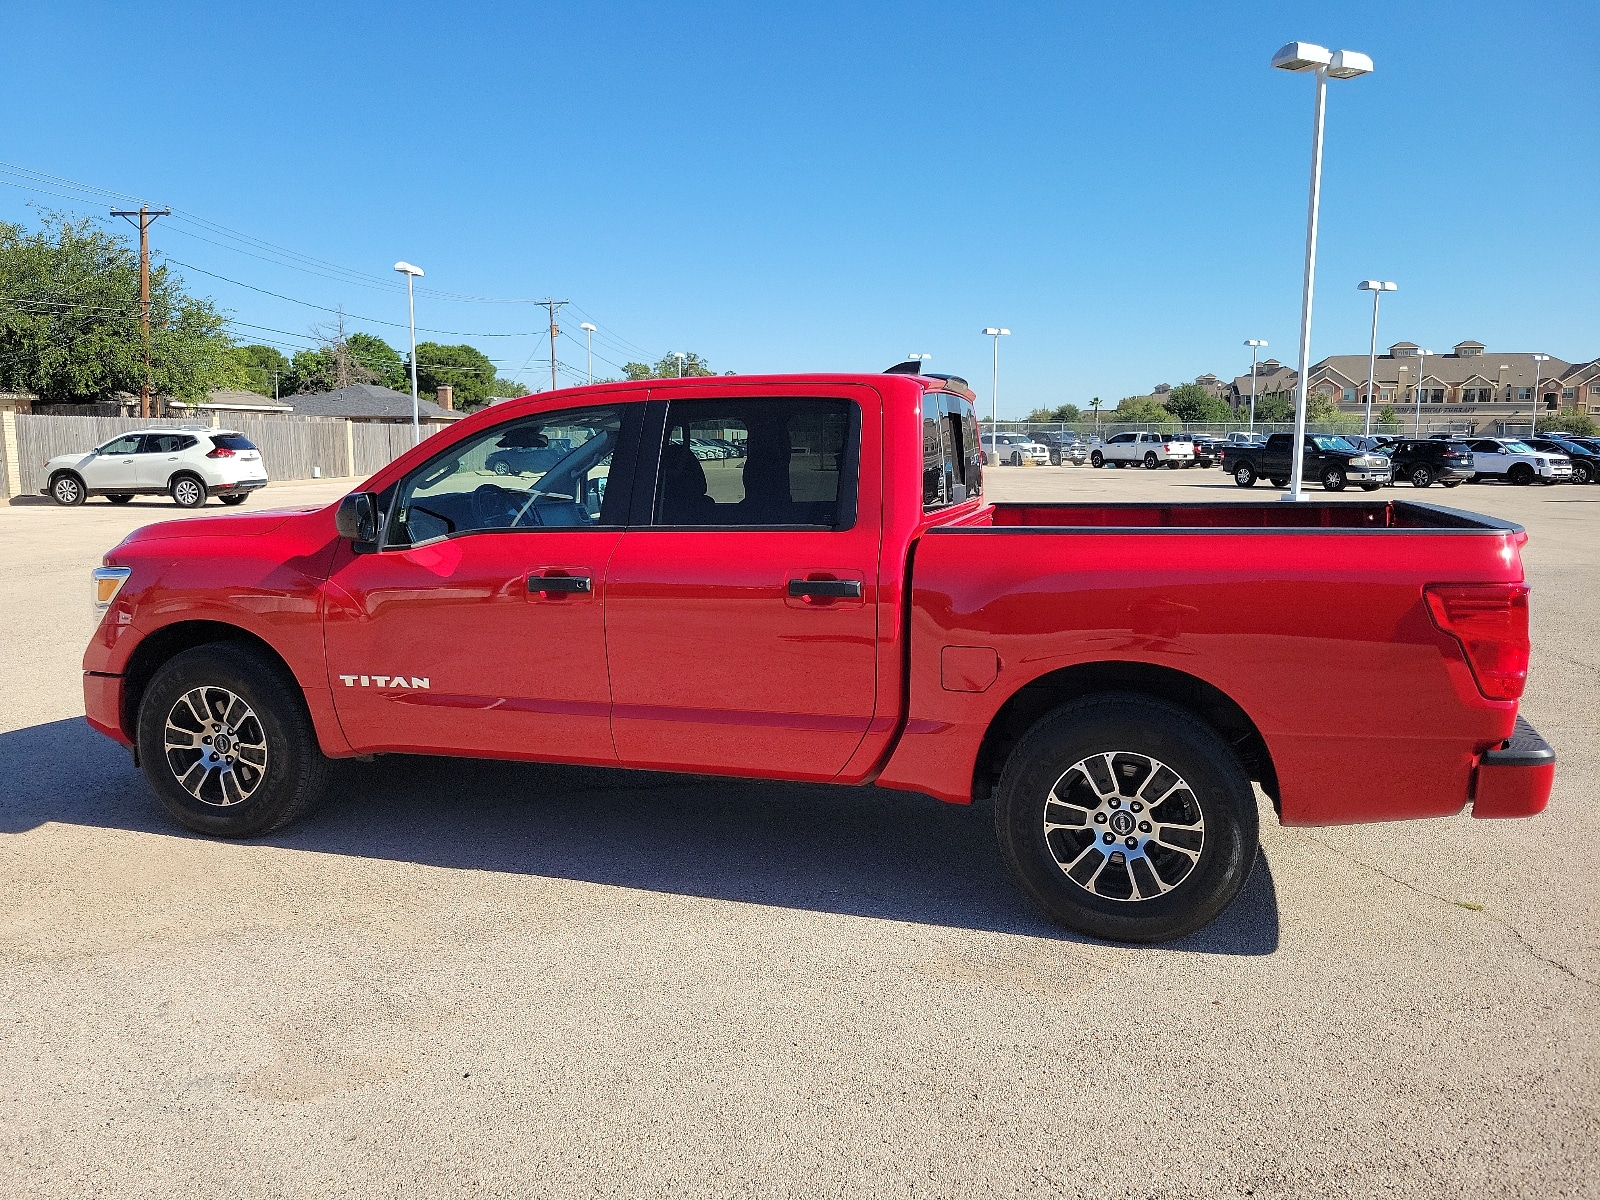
[187, 491]
[1370, 487]
[1421, 477]
[67, 489]
[1016, 458]
[1151, 462]
[1521, 475]
[1173, 464]
[120, 498]
[1217, 804]
[1097, 459]
[1333, 479]
[1452, 483]
[501, 467]
[1582, 472]
[1244, 475]
[238, 498]
[1279, 481]
[295, 772]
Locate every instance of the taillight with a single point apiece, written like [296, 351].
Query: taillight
[221, 452]
[1490, 621]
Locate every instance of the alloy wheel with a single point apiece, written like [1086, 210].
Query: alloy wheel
[1124, 826]
[1421, 477]
[187, 493]
[215, 746]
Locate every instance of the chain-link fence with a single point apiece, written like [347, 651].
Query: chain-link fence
[1091, 429]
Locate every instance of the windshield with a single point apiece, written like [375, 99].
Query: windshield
[1323, 442]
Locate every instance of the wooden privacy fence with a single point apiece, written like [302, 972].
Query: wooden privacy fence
[293, 447]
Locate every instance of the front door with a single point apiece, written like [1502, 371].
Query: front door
[115, 465]
[476, 626]
[742, 622]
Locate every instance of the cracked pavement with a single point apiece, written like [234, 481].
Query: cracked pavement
[463, 979]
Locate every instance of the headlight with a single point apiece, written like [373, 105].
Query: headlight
[105, 583]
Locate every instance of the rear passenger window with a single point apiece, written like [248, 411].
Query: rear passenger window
[951, 471]
[166, 443]
[743, 463]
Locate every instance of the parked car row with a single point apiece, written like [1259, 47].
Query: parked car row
[1336, 461]
[188, 463]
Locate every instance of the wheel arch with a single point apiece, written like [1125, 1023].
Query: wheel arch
[1036, 699]
[72, 471]
[169, 641]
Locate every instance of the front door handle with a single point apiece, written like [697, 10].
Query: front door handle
[825, 589]
[563, 585]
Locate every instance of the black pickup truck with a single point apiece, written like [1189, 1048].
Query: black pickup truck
[1329, 460]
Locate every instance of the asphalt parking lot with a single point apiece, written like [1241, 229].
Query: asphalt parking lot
[502, 980]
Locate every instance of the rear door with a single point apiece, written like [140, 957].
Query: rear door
[741, 606]
[1490, 457]
[161, 457]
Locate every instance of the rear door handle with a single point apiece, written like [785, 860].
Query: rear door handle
[825, 589]
[565, 585]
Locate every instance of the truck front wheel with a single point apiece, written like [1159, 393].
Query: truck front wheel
[226, 742]
[1126, 818]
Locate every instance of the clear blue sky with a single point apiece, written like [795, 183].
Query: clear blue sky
[831, 186]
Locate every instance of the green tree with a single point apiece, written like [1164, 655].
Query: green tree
[1061, 412]
[465, 368]
[379, 361]
[1567, 420]
[257, 365]
[1387, 415]
[1276, 407]
[1191, 402]
[69, 323]
[667, 368]
[1141, 410]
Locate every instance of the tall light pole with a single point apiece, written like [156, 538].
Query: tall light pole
[680, 356]
[1340, 64]
[1256, 346]
[412, 274]
[1533, 413]
[588, 352]
[1422, 361]
[1377, 287]
[994, 394]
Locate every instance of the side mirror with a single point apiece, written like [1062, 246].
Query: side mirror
[357, 519]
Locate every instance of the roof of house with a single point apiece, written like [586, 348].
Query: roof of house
[1445, 368]
[367, 401]
[1271, 376]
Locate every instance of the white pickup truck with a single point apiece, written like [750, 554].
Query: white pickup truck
[1149, 449]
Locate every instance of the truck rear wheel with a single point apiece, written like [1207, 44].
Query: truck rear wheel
[1151, 462]
[1126, 818]
[227, 744]
[1244, 475]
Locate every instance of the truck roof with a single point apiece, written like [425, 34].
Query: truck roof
[928, 383]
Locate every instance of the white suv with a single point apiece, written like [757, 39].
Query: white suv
[188, 463]
[1517, 462]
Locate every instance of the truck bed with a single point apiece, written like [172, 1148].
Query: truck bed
[1343, 516]
[1319, 634]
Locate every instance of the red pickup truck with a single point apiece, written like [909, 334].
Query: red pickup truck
[799, 578]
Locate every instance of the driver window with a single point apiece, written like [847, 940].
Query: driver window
[122, 445]
[547, 471]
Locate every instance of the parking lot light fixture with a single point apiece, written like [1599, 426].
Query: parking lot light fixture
[1422, 361]
[1256, 346]
[1341, 64]
[994, 395]
[1377, 287]
[412, 274]
[588, 351]
[1533, 407]
[680, 356]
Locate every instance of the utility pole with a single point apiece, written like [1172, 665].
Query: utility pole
[553, 305]
[145, 216]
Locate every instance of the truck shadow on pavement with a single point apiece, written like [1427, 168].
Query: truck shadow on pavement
[864, 852]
